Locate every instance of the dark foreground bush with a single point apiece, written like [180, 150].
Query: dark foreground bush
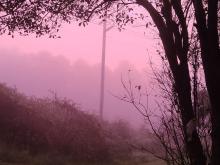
[50, 125]
[54, 131]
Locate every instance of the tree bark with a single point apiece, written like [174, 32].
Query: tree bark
[209, 42]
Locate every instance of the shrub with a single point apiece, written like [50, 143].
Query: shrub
[50, 125]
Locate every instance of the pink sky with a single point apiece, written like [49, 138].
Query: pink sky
[85, 43]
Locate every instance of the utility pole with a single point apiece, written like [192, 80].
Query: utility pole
[103, 69]
[102, 87]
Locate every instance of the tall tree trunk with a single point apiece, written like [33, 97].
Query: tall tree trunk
[213, 77]
[176, 52]
[209, 41]
[183, 89]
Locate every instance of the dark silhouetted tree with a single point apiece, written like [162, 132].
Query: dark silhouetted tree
[171, 22]
[207, 17]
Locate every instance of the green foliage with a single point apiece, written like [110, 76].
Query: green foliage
[12, 155]
[46, 16]
[35, 16]
[54, 131]
[120, 134]
[50, 125]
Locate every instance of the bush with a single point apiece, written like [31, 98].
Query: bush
[119, 137]
[54, 130]
[49, 125]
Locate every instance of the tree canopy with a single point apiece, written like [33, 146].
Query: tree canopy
[36, 16]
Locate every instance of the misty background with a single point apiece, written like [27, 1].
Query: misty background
[43, 74]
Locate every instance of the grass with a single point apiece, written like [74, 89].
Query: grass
[149, 163]
[11, 156]
[44, 160]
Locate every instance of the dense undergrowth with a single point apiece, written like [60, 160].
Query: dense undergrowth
[54, 131]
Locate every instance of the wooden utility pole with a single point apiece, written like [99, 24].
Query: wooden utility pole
[102, 87]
